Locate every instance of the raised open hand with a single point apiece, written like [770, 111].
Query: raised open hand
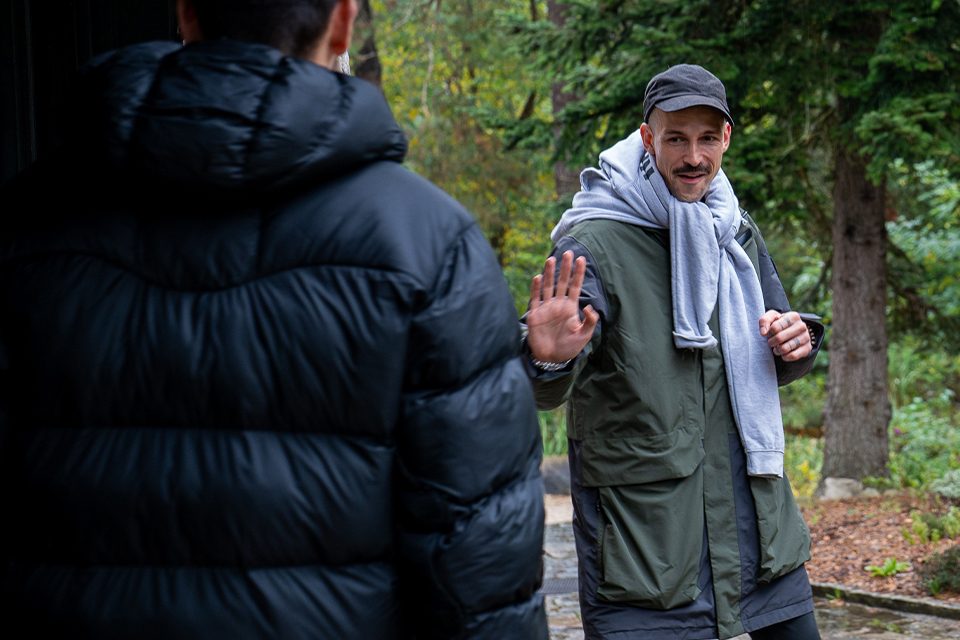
[555, 331]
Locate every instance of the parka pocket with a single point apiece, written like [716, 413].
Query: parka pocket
[784, 537]
[651, 534]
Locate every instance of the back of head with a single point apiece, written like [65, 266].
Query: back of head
[292, 26]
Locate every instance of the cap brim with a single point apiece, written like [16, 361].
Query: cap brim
[685, 102]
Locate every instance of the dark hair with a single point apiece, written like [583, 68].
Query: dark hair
[293, 26]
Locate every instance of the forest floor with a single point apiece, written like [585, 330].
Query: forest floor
[850, 535]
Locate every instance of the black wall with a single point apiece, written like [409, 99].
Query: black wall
[42, 45]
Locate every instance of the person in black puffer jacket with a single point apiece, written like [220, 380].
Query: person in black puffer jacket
[259, 380]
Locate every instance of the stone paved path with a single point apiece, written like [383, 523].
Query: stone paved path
[837, 620]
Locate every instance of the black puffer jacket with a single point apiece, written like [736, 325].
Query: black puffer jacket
[260, 381]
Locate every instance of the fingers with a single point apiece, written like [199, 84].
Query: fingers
[788, 337]
[548, 270]
[786, 334]
[563, 280]
[795, 348]
[768, 319]
[556, 329]
[773, 323]
[565, 284]
[536, 286]
[798, 353]
[778, 338]
[576, 283]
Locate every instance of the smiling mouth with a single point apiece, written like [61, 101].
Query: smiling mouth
[691, 175]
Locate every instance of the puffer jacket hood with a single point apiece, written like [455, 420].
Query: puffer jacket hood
[225, 118]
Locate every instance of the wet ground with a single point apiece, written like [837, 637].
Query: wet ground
[837, 620]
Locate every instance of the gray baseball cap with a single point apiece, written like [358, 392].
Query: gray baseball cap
[682, 86]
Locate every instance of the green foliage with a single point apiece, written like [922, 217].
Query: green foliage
[930, 527]
[924, 445]
[526, 243]
[925, 257]
[804, 269]
[921, 375]
[445, 67]
[802, 461]
[947, 485]
[941, 572]
[925, 428]
[886, 625]
[890, 567]
[917, 65]
[834, 594]
[924, 432]
[553, 431]
[802, 401]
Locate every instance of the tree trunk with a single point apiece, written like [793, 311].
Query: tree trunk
[566, 176]
[366, 64]
[858, 407]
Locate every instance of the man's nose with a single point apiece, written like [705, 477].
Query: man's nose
[694, 154]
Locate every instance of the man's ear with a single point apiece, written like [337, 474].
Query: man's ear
[341, 26]
[188, 25]
[727, 130]
[646, 135]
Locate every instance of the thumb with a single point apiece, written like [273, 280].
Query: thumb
[590, 319]
[766, 320]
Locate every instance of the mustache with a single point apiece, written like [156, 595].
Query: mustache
[691, 168]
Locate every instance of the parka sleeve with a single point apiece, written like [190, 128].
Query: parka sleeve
[470, 497]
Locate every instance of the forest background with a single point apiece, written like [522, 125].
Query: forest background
[846, 150]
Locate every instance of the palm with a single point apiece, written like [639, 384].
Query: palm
[556, 332]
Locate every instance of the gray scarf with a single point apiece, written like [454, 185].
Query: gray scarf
[708, 266]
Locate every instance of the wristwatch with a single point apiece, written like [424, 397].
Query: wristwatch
[549, 366]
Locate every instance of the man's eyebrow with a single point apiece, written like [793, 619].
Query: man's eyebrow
[679, 132]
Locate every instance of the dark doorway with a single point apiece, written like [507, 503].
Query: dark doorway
[42, 45]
